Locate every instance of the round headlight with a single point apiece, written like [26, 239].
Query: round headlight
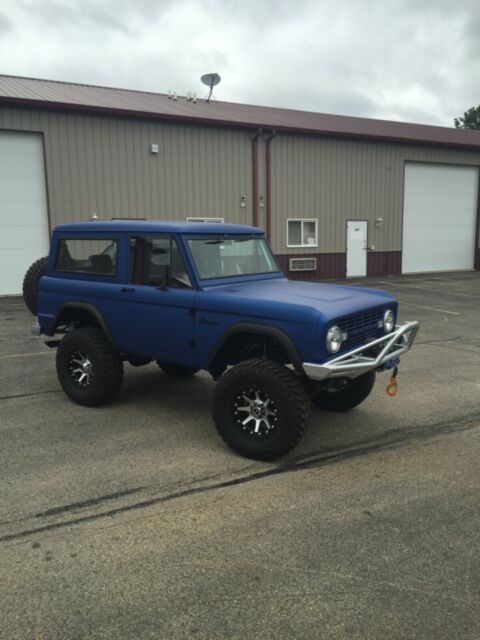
[334, 339]
[388, 321]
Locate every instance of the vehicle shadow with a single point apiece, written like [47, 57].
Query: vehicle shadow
[189, 400]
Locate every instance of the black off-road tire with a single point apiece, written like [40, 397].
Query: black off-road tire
[89, 343]
[346, 397]
[283, 391]
[177, 370]
[30, 284]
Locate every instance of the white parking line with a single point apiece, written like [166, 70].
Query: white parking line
[422, 306]
[26, 355]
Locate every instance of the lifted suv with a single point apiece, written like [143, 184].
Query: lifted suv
[197, 296]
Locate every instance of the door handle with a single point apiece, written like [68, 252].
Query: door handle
[127, 289]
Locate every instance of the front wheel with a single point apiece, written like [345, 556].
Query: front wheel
[260, 409]
[89, 369]
[344, 394]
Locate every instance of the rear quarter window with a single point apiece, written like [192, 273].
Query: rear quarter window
[89, 255]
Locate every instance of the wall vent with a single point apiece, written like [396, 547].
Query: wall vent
[205, 219]
[303, 264]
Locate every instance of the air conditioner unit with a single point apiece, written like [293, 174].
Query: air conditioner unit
[303, 264]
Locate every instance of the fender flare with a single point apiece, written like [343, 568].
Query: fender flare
[263, 330]
[83, 306]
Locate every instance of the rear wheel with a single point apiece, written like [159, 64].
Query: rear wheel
[89, 369]
[30, 284]
[344, 394]
[260, 409]
[176, 370]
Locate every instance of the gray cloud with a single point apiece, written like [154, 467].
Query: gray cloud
[5, 23]
[59, 15]
[413, 60]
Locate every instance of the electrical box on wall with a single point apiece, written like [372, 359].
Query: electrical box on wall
[154, 148]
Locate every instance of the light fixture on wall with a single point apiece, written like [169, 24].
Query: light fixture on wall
[378, 222]
[243, 202]
[261, 203]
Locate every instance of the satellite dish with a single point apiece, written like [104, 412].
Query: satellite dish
[211, 80]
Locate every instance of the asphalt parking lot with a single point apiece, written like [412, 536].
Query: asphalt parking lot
[135, 521]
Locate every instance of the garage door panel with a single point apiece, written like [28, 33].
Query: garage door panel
[9, 273]
[24, 233]
[435, 204]
[21, 190]
[33, 237]
[13, 169]
[20, 214]
[439, 218]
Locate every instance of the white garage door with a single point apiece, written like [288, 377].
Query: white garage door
[439, 218]
[23, 207]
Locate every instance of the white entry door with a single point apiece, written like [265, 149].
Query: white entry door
[357, 247]
[23, 207]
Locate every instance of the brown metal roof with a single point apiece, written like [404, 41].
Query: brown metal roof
[67, 95]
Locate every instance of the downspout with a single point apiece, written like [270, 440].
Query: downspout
[255, 177]
[268, 186]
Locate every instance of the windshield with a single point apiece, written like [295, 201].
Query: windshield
[226, 256]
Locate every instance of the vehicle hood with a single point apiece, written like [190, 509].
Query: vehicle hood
[280, 297]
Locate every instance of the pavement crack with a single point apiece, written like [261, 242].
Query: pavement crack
[90, 502]
[390, 441]
[27, 395]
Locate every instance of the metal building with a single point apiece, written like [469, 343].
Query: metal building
[337, 195]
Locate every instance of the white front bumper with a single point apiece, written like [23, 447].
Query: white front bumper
[355, 362]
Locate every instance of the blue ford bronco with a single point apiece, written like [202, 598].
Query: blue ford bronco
[193, 296]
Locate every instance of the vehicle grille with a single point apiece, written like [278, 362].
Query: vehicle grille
[361, 328]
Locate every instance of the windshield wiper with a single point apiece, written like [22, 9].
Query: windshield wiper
[218, 241]
[250, 237]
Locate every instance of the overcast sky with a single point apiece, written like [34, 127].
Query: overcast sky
[411, 60]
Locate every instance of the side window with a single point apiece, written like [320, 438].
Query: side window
[159, 263]
[87, 255]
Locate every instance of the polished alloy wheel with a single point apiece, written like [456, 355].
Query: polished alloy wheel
[255, 412]
[80, 368]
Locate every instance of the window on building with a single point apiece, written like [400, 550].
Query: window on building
[205, 219]
[97, 257]
[302, 233]
[158, 262]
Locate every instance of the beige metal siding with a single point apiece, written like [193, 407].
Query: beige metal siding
[336, 180]
[103, 165]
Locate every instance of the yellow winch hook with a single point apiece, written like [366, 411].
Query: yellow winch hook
[392, 386]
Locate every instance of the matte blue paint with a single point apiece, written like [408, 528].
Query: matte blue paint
[184, 325]
[152, 226]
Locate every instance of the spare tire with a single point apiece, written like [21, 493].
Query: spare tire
[30, 284]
